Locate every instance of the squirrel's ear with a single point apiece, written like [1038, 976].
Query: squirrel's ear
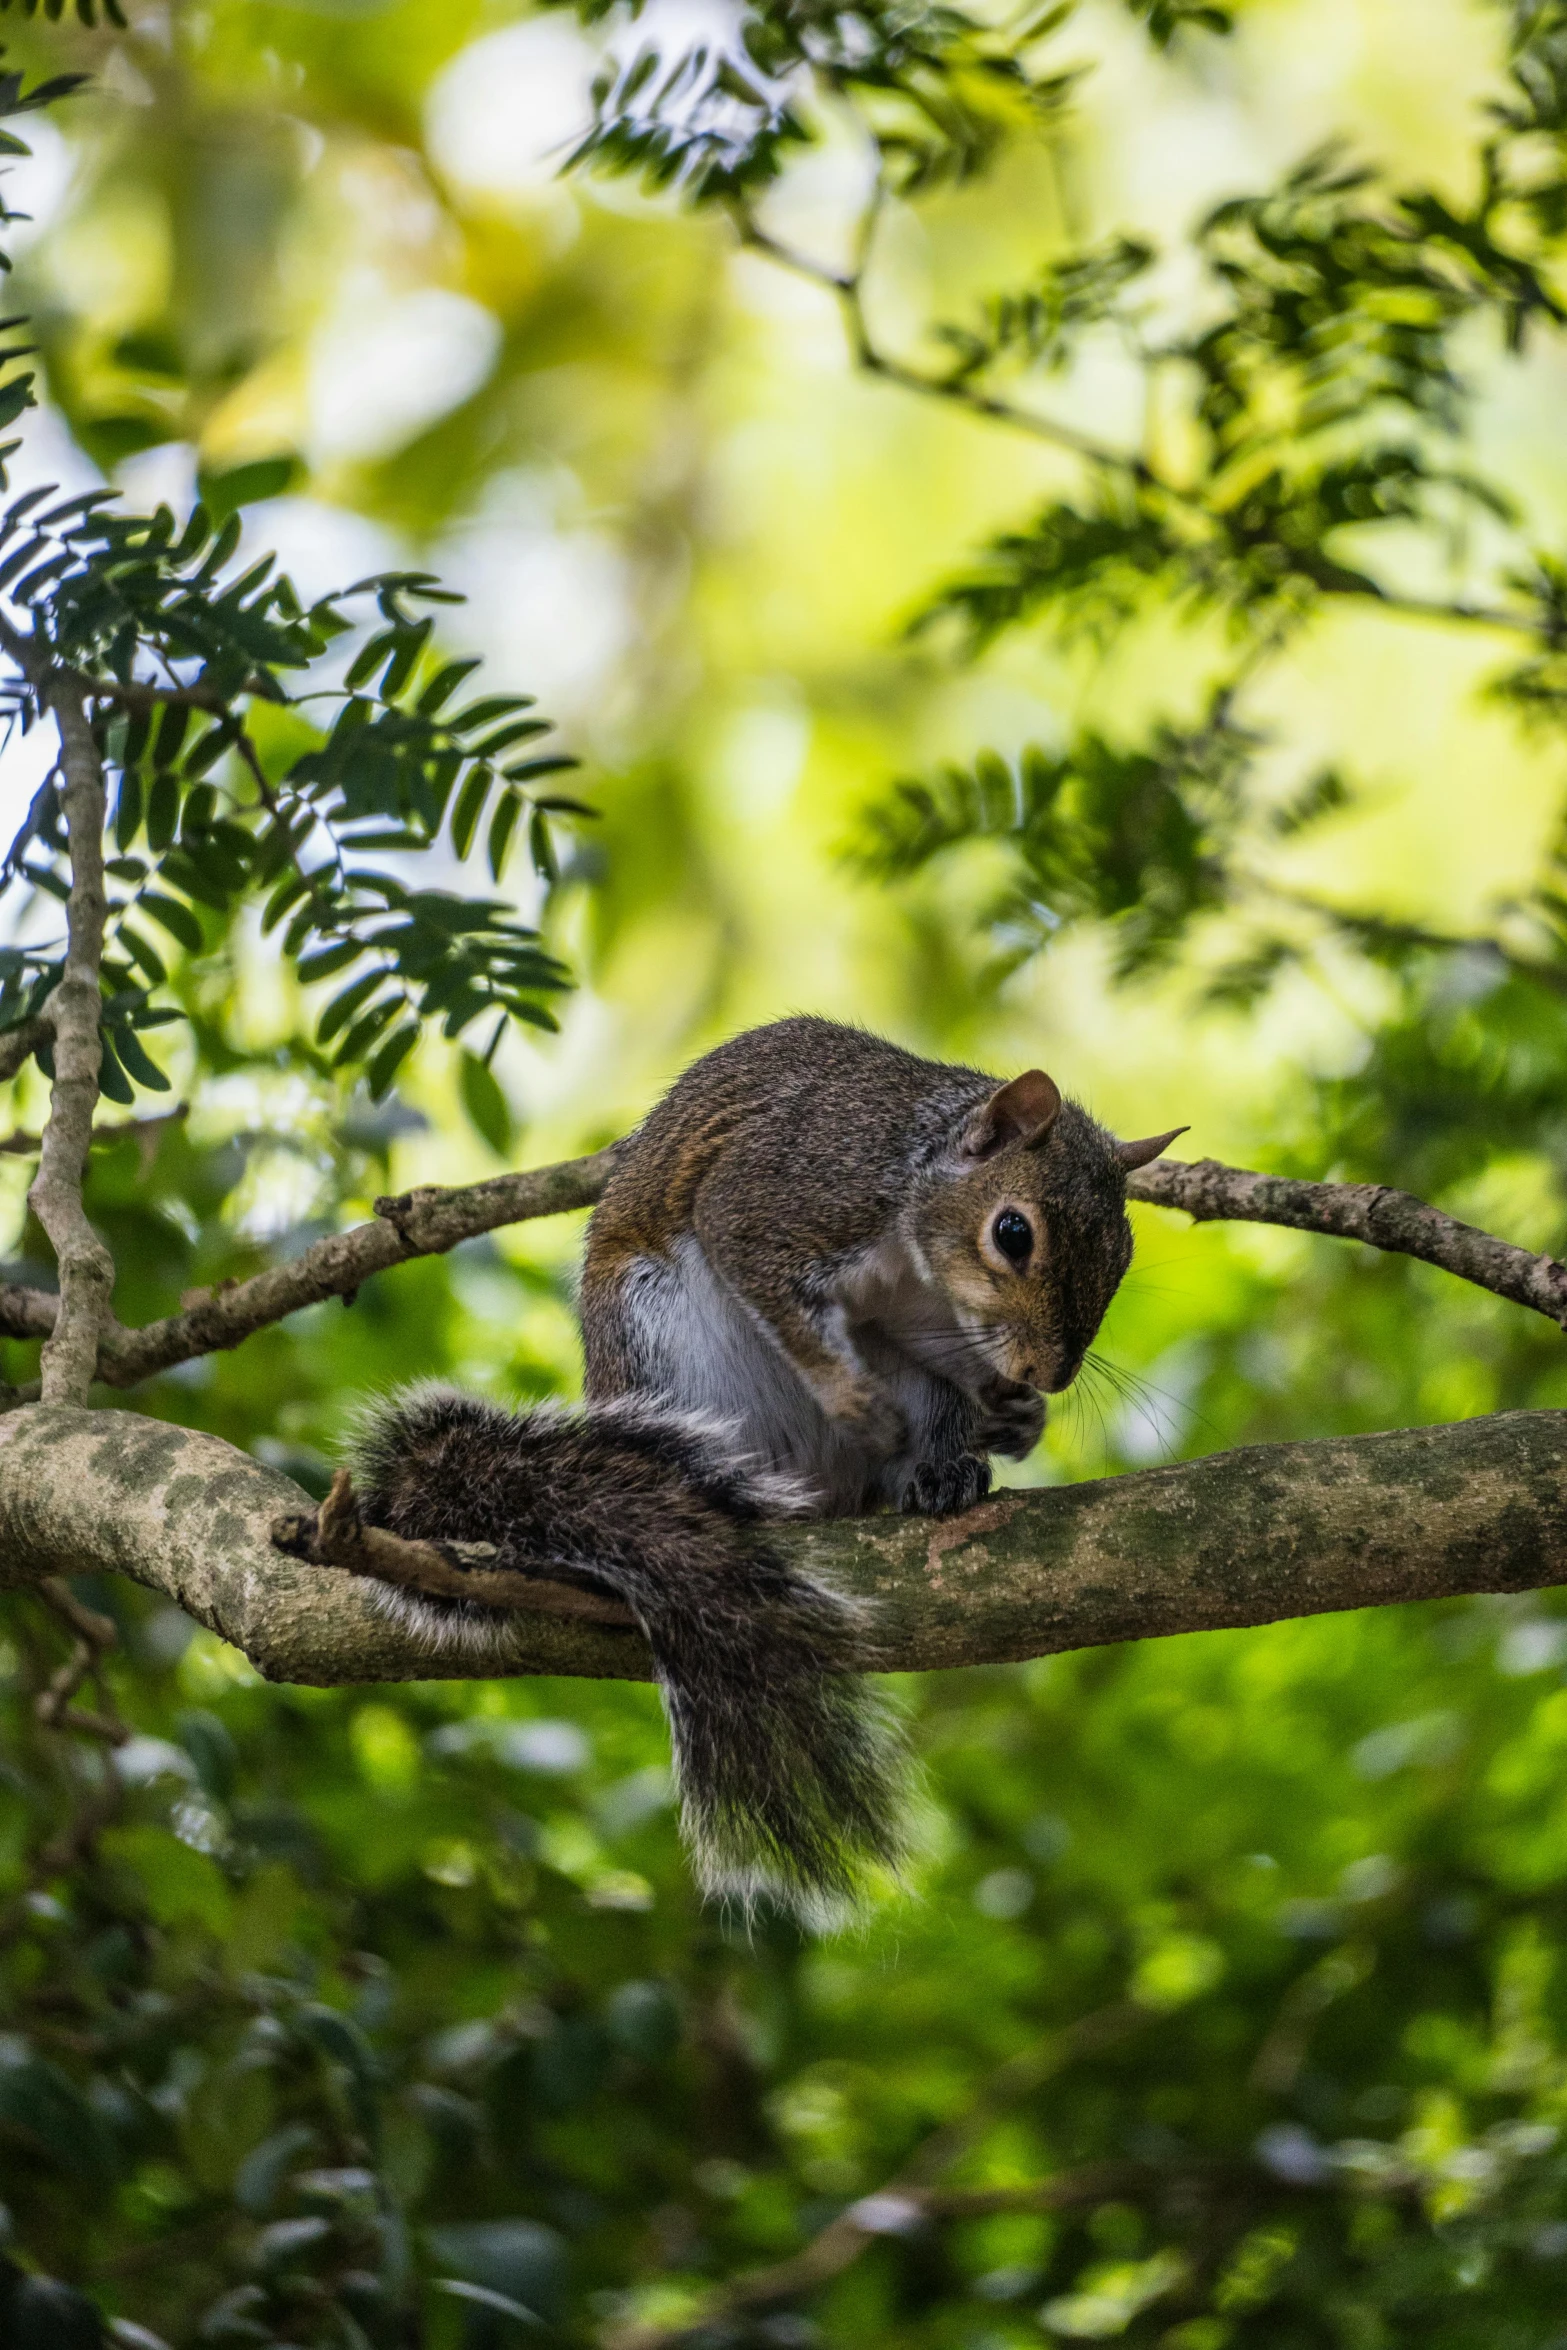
[1152, 1146]
[1023, 1111]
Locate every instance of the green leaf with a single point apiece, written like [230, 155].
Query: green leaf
[175, 918]
[401, 666]
[163, 808]
[362, 1035]
[42, 2314]
[137, 1063]
[541, 848]
[489, 1112]
[469, 809]
[390, 1058]
[46, 2107]
[502, 825]
[520, 730]
[486, 712]
[346, 1003]
[328, 959]
[128, 808]
[519, 2258]
[137, 947]
[113, 1083]
[172, 727]
[210, 749]
[443, 685]
[528, 770]
[247, 485]
[367, 661]
[291, 887]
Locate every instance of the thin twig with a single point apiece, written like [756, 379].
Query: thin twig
[427, 1222]
[415, 1224]
[20, 1144]
[95, 1635]
[849, 287]
[73, 1011]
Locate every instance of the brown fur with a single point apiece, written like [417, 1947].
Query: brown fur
[824, 1275]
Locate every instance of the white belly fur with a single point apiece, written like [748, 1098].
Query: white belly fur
[709, 1353]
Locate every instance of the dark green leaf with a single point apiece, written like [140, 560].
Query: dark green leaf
[502, 825]
[163, 806]
[113, 1083]
[328, 959]
[469, 809]
[390, 1058]
[176, 919]
[137, 1063]
[489, 1112]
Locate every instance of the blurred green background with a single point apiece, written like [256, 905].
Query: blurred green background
[369, 2005]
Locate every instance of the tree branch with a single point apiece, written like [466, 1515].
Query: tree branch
[429, 1221]
[86, 1268]
[955, 390]
[18, 1045]
[1246, 1537]
[414, 1224]
[1384, 1219]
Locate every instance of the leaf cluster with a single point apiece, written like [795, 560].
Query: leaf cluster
[185, 651]
[1319, 414]
[1042, 324]
[938, 90]
[1138, 839]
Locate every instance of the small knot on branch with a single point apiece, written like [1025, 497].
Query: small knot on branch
[405, 1210]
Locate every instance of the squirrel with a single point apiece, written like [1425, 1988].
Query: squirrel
[824, 1276]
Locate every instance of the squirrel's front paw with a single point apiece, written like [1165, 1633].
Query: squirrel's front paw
[1013, 1421]
[940, 1489]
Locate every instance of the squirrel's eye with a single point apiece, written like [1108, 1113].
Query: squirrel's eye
[1013, 1235]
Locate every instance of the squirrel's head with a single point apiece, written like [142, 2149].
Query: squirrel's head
[1027, 1232]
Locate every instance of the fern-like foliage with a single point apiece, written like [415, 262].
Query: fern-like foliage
[1315, 459]
[227, 784]
[938, 89]
[93, 14]
[245, 764]
[1138, 839]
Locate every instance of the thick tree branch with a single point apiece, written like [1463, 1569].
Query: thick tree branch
[1246, 1537]
[27, 1313]
[86, 1269]
[1391, 1220]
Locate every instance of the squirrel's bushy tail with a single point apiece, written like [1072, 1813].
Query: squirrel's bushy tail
[787, 1771]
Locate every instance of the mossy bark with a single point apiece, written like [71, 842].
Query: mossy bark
[1245, 1537]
